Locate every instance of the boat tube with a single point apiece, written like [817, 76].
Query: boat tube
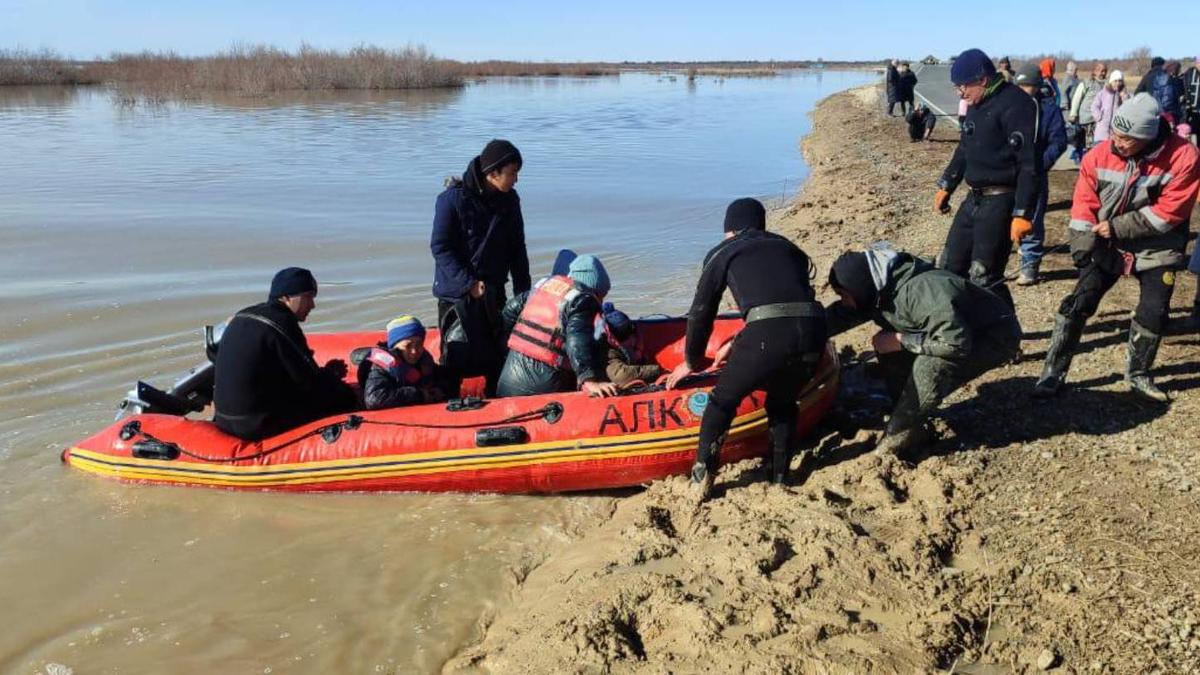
[534, 444]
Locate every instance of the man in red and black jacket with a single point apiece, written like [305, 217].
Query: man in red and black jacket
[1130, 216]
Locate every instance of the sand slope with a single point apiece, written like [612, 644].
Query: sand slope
[1060, 535]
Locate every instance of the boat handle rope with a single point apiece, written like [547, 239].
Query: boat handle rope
[153, 447]
[552, 412]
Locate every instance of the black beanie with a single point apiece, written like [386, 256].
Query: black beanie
[851, 273]
[292, 281]
[745, 214]
[498, 154]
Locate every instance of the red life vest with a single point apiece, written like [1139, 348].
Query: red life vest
[412, 375]
[538, 333]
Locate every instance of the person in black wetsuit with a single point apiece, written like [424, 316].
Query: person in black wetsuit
[997, 156]
[266, 379]
[777, 350]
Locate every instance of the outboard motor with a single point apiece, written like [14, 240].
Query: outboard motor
[191, 393]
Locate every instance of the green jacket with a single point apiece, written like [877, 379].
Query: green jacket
[937, 313]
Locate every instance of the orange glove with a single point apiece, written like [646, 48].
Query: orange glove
[941, 202]
[1019, 229]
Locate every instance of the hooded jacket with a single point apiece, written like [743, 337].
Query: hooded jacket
[937, 313]
[1104, 109]
[1148, 200]
[1165, 89]
[997, 147]
[478, 235]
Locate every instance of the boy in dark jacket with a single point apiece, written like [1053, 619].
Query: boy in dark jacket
[938, 332]
[404, 373]
[623, 355]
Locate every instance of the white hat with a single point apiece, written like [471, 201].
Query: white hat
[1116, 76]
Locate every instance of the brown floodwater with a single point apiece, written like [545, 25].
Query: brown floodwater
[124, 229]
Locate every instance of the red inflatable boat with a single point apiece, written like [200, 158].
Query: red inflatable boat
[551, 443]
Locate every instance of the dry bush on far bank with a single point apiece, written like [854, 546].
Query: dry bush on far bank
[259, 70]
[25, 67]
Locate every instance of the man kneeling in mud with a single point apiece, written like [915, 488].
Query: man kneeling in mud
[938, 331]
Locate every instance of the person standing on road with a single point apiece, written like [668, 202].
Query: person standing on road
[478, 243]
[1051, 143]
[998, 158]
[892, 83]
[1104, 108]
[906, 88]
[777, 350]
[1129, 216]
[1079, 113]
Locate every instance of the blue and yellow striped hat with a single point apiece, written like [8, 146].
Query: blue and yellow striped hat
[402, 328]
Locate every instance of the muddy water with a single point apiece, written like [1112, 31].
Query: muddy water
[124, 229]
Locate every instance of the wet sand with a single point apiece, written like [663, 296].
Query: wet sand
[1059, 533]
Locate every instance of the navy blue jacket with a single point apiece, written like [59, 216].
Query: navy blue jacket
[1052, 131]
[1165, 89]
[478, 235]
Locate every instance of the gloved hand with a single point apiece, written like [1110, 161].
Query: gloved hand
[1020, 228]
[941, 202]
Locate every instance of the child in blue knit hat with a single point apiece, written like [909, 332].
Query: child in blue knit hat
[404, 373]
[623, 354]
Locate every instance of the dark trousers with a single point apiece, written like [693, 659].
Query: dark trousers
[1154, 300]
[919, 383]
[472, 337]
[979, 244]
[778, 355]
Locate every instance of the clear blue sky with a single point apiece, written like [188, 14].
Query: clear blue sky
[609, 30]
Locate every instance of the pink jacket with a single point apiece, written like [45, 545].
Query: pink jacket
[1104, 107]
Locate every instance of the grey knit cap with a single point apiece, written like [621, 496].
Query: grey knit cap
[1138, 117]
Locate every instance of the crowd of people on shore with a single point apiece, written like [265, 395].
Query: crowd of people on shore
[941, 323]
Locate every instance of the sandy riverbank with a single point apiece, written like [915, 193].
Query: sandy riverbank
[1063, 530]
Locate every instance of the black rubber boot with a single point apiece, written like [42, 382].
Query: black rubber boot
[781, 451]
[1143, 348]
[1063, 343]
[704, 471]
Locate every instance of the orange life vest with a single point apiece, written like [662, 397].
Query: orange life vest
[538, 333]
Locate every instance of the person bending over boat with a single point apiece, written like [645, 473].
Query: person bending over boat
[551, 347]
[403, 373]
[779, 348]
[621, 349]
[938, 331]
[266, 379]
[478, 242]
